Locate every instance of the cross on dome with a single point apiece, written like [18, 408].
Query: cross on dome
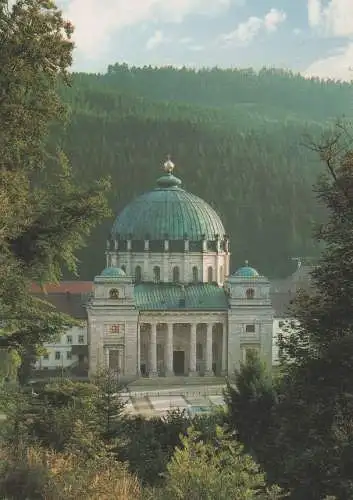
[168, 165]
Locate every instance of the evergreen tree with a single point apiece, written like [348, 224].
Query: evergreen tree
[108, 404]
[216, 469]
[315, 410]
[251, 402]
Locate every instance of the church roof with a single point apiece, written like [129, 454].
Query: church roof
[165, 296]
[168, 212]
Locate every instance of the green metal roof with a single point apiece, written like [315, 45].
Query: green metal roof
[168, 210]
[166, 296]
[113, 272]
[246, 272]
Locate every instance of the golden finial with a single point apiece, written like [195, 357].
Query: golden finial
[169, 165]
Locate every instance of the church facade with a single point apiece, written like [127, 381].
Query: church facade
[167, 302]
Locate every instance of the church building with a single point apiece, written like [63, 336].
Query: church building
[167, 303]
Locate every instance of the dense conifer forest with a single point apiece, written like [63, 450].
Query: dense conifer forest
[239, 139]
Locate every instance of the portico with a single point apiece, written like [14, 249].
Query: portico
[182, 347]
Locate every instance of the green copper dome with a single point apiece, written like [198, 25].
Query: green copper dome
[246, 272]
[168, 212]
[113, 272]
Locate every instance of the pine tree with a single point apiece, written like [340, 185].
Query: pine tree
[208, 470]
[251, 401]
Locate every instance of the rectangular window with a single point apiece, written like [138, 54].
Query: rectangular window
[81, 339]
[281, 324]
[57, 355]
[68, 355]
[69, 339]
[46, 356]
[250, 328]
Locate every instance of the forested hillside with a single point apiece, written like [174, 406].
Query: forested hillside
[238, 139]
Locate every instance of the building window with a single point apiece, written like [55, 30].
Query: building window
[176, 274]
[57, 355]
[114, 328]
[114, 293]
[68, 355]
[221, 274]
[210, 275]
[250, 328]
[69, 339]
[156, 274]
[138, 274]
[46, 356]
[281, 324]
[250, 293]
[195, 274]
[81, 339]
[123, 267]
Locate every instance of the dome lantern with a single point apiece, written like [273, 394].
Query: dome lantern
[168, 165]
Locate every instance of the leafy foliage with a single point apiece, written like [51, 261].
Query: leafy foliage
[216, 469]
[45, 216]
[42, 474]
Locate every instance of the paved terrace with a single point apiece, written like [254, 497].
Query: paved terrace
[151, 397]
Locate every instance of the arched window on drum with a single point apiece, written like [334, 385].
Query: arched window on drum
[195, 274]
[176, 274]
[156, 274]
[138, 274]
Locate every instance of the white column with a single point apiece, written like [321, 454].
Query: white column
[168, 351]
[209, 371]
[224, 350]
[138, 350]
[192, 353]
[153, 351]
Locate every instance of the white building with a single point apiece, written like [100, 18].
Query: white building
[167, 303]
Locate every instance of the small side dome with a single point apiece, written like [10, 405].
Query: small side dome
[246, 272]
[113, 272]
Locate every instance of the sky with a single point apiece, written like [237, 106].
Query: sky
[314, 37]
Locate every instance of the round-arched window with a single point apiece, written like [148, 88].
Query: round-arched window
[176, 274]
[156, 274]
[138, 274]
[195, 274]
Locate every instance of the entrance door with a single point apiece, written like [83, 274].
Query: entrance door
[179, 362]
[114, 360]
